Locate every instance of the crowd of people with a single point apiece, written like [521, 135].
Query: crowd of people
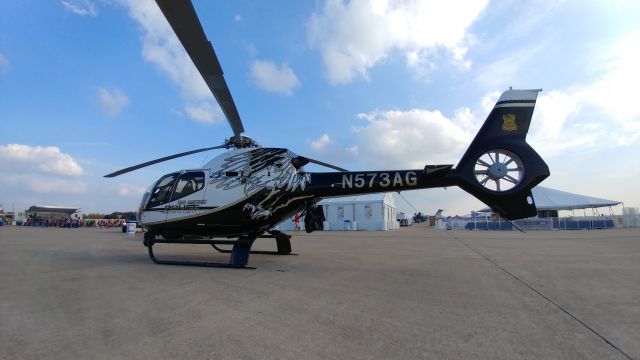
[71, 223]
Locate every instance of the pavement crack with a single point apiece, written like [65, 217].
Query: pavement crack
[539, 293]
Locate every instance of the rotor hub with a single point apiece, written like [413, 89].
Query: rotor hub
[240, 142]
[497, 171]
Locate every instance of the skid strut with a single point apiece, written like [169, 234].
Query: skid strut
[283, 243]
[238, 259]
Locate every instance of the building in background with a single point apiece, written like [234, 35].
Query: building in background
[42, 212]
[363, 212]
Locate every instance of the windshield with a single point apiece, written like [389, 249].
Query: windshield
[187, 184]
[162, 191]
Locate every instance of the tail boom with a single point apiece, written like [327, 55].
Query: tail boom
[499, 167]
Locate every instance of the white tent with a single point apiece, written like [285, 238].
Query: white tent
[362, 212]
[552, 199]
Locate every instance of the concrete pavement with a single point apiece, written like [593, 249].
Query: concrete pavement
[413, 293]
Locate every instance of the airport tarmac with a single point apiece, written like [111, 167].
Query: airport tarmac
[413, 293]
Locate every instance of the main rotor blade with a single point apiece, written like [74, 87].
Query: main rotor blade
[183, 19]
[145, 164]
[325, 164]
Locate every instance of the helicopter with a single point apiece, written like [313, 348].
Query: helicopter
[243, 193]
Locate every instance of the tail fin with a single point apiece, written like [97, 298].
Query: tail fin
[499, 167]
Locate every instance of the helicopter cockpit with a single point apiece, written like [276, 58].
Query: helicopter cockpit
[169, 188]
[172, 187]
[188, 183]
[162, 191]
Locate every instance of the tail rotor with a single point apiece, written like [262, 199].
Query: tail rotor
[499, 170]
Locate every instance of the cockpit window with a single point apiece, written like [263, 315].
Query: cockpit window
[187, 184]
[162, 190]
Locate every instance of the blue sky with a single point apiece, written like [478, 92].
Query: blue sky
[89, 87]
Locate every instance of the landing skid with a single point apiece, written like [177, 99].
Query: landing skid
[283, 243]
[239, 252]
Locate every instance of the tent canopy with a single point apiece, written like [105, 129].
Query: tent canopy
[52, 209]
[552, 199]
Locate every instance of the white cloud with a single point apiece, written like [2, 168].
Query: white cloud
[237, 18]
[5, 65]
[553, 111]
[413, 138]
[80, 7]
[268, 76]
[52, 185]
[44, 185]
[112, 101]
[24, 158]
[128, 190]
[161, 47]
[506, 70]
[594, 115]
[320, 145]
[354, 37]
[529, 18]
[489, 100]
[615, 91]
[203, 112]
[39, 169]
[329, 151]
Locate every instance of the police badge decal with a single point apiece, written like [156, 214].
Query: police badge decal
[509, 123]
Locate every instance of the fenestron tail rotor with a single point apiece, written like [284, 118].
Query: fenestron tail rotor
[152, 162]
[499, 170]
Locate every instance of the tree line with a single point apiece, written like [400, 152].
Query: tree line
[114, 215]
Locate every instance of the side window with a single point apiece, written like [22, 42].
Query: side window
[188, 183]
[162, 191]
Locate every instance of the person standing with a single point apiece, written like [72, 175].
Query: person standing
[296, 220]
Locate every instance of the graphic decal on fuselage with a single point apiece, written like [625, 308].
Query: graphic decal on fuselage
[264, 169]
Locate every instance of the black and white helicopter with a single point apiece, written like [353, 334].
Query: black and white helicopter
[243, 193]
